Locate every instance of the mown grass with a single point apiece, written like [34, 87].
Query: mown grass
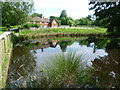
[59, 30]
[2, 30]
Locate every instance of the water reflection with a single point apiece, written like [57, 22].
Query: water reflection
[101, 54]
[107, 69]
[64, 44]
[22, 63]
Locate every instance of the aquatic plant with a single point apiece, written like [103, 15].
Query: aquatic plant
[65, 69]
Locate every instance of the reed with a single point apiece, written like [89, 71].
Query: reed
[64, 69]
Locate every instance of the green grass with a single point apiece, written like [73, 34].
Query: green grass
[58, 30]
[68, 38]
[63, 70]
[2, 30]
[14, 26]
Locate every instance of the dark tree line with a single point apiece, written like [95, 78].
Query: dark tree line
[108, 14]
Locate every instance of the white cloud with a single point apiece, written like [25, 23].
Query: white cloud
[74, 8]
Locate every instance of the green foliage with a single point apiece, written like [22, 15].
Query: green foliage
[63, 14]
[85, 21]
[66, 20]
[36, 25]
[64, 69]
[64, 44]
[51, 17]
[109, 14]
[15, 13]
[14, 39]
[37, 15]
[64, 31]
[70, 21]
[63, 20]
[77, 22]
[27, 25]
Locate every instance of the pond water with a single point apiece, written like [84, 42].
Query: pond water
[102, 54]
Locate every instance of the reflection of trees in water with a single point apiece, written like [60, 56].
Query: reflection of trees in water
[22, 63]
[84, 42]
[114, 43]
[107, 69]
[99, 43]
[64, 44]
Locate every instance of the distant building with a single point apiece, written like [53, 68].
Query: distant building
[45, 22]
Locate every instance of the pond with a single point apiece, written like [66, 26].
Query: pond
[101, 54]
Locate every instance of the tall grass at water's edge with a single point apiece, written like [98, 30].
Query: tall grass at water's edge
[63, 71]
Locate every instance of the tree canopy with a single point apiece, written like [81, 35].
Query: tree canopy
[63, 14]
[37, 15]
[16, 13]
[84, 21]
[109, 13]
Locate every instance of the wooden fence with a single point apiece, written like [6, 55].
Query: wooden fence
[5, 53]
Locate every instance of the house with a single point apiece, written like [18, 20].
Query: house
[47, 44]
[45, 22]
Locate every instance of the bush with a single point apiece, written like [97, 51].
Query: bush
[36, 25]
[27, 25]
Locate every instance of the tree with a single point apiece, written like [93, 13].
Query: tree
[84, 21]
[89, 17]
[109, 12]
[63, 21]
[37, 15]
[70, 21]
[66, 20]
[77, 22]
[15, 13]
[51, 17]
[63, 14]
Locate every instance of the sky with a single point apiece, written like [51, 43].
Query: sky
[74, 8]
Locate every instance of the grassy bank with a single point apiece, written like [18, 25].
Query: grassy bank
[59, 32]
[71, 30]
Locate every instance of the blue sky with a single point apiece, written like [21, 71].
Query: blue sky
[75, 8]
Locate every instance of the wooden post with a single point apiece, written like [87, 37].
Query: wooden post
[0, 62]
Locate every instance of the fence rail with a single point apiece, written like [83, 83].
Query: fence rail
[5, 51]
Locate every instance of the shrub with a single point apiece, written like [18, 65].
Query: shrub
[36, 25]
[27, 25]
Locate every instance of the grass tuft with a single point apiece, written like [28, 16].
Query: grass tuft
[64, 70]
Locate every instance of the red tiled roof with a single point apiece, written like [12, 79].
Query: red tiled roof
[40, 19]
